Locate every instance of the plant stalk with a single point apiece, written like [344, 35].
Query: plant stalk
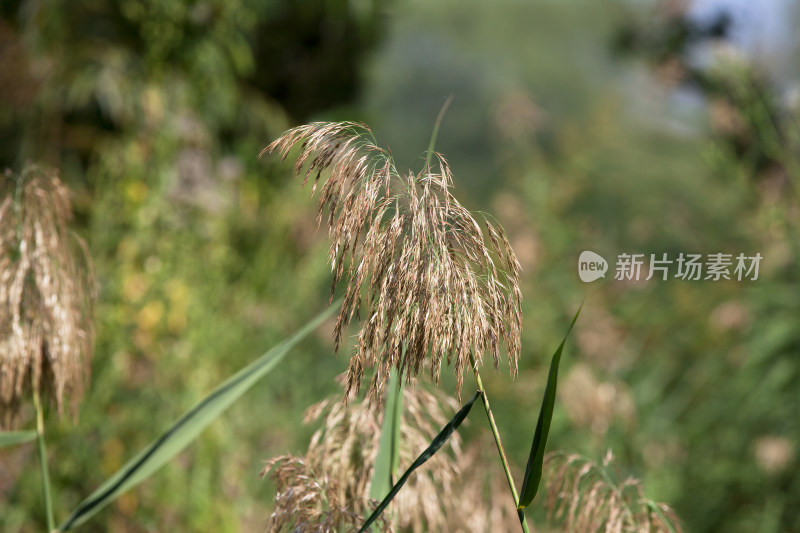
[496, 434]
[435, 133]
[48, 499]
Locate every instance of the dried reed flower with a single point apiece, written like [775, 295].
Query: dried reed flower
[583, 494]
[416, 256]
[309, 502]
[341, 457]
[46, 294]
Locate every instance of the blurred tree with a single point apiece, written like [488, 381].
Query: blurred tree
[737, 405]
[155, 110]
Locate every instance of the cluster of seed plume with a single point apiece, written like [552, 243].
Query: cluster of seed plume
[309, 501]
[332, 480]
[417, 262]
[582, 495]
[46, 294]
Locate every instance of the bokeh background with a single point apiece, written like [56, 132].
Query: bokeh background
[616, 126]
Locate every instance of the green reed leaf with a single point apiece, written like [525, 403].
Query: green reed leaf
[188, 427]
[436, 443]
[533, 471]
[388, 456]
[12, 438]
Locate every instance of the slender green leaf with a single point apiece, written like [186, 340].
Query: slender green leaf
[656, 510]
[533, 471]
[187, 427]
[12, 438]
[388, 448]
[397, 419]
[436, 443]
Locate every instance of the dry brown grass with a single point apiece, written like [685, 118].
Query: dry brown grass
[417, 262]
[583, 495]
[310, 501]
[331, 482]
[46, 294]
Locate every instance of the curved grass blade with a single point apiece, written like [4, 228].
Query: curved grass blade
[436, 443]
[533, 471]
[435, 133]
[389, 446]
[187, 427]
[12, 438]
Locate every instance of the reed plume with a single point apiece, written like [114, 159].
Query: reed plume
[46, 294]
[310, 501]
[332, 480]
[583, 495]
[417, 262]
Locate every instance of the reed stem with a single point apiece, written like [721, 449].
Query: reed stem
[48, 500]
[435, 134]
[523, 522]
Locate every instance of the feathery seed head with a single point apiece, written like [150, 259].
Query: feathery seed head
[342, 454]
[417, 262]
[582, 494]
[308, 501]
[46, 293]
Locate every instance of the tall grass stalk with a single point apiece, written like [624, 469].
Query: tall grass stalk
[500, 450]
[484, 397]
[435, 133]
[46, 493]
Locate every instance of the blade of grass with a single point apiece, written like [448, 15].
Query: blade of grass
[188, 427]
[386, 462]
[12, 438]
[660, 514]
[446, 432]
[533, 471]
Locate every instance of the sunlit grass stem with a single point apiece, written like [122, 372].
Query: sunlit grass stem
[485, 399]
[501, 452]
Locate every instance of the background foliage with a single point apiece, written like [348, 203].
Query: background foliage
[615, 127]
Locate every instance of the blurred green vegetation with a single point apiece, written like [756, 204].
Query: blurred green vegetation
[580, 126]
